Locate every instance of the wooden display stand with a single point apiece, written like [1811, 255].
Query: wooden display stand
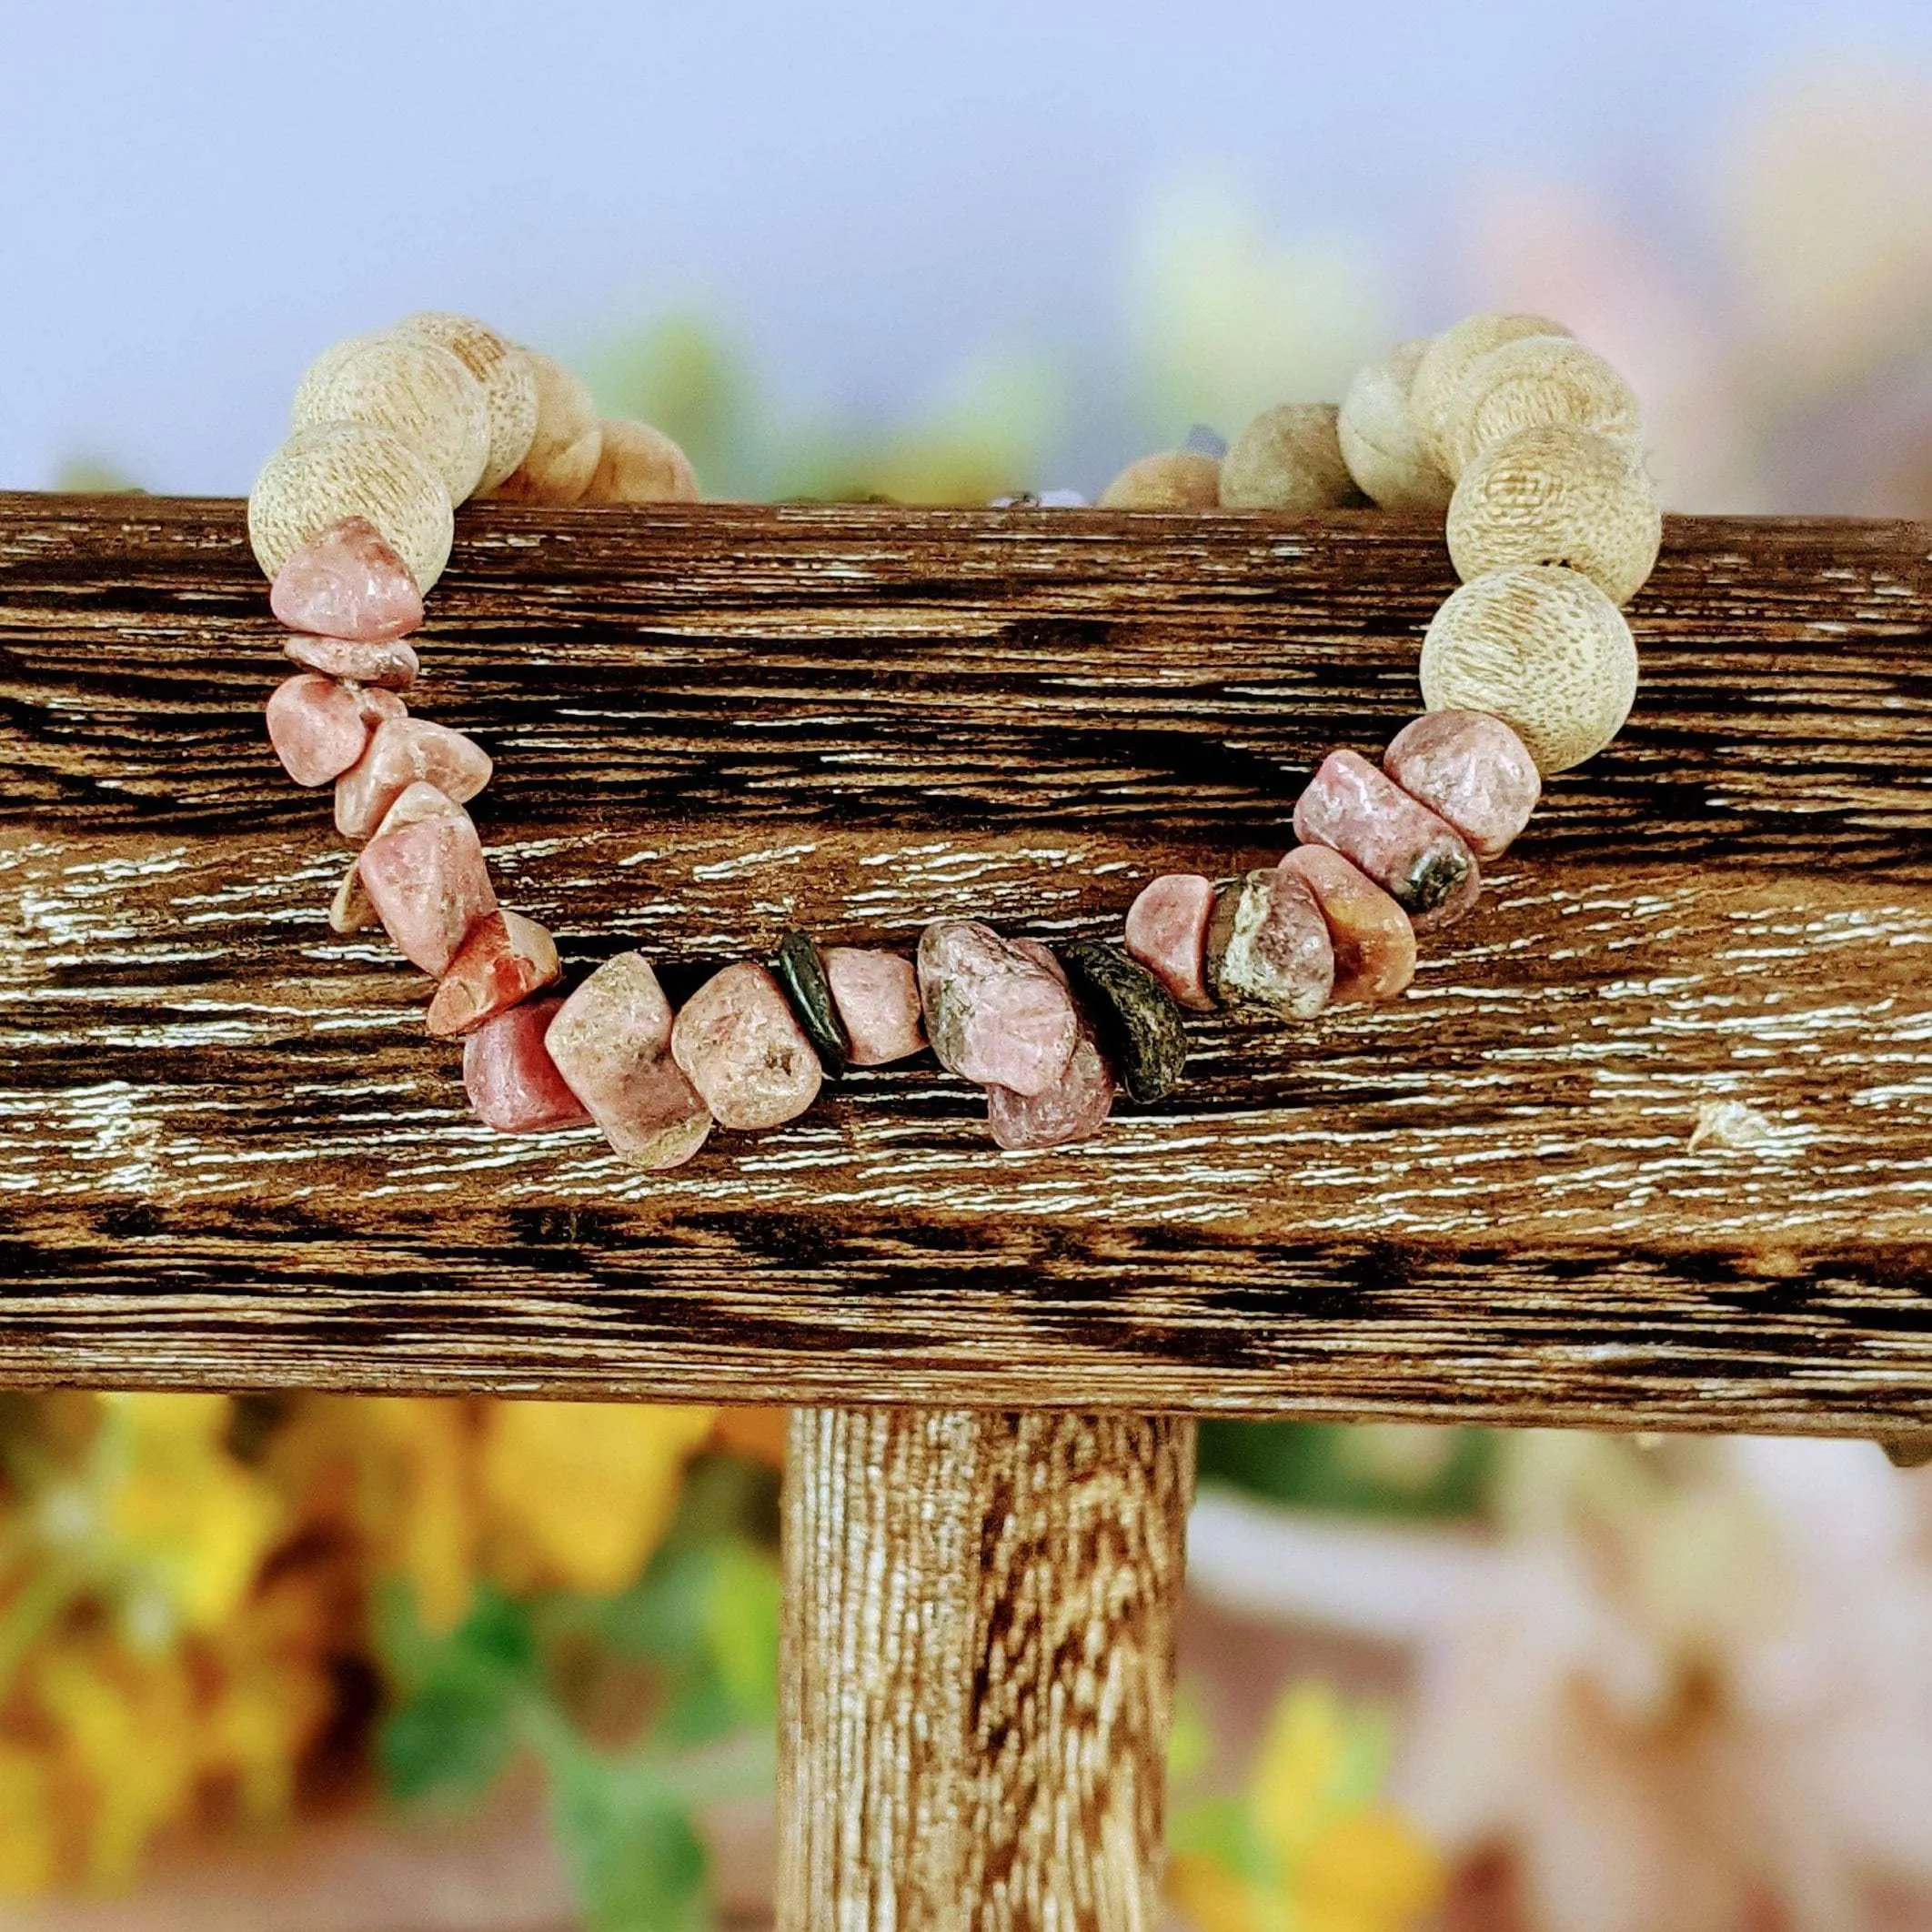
[231, 1159]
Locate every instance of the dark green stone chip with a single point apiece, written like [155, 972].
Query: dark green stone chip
[801, 972]
[1139, 1025]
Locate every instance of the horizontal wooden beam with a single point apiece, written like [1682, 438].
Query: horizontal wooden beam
[229, 1157]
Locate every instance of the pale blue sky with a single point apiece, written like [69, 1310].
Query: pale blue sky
[196, 197]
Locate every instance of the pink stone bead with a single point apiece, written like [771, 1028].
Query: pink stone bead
[512, 1083]
[506, 957]
[739, 1045]
[994, 1015]
[612, 1043]
[1471, 769]
[1167, 934]
[406, 751]
[428, 881]
[1372, 940]
[393, 664]
[877, 996]
[375, 706]
[316, 727]
[1268, 947]
[1074, 1108]
[349, 583]
[1419, 859]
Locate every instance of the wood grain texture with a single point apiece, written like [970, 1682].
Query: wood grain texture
[978, 1668]
[228, 1155]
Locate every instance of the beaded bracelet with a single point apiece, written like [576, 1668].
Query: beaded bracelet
[1526, 440]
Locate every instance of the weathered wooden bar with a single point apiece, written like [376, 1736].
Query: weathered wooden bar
[229, 1158]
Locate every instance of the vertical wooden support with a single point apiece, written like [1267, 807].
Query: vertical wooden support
[979, 1668]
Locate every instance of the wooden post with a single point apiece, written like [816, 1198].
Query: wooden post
[979, 1665]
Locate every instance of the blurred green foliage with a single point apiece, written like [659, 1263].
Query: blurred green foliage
[1380, 1469]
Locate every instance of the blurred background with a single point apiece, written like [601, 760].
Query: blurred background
[408, 1665]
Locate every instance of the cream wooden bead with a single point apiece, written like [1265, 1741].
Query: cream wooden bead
[1562, 496]
[639, 464]
[569, 440]
[415, 389]
[1288, 459]
[330, 471]
[1174, 479]
[508, 379]
[1541, 648]
[1380, 440]
[1532, 382]
[1444, 363]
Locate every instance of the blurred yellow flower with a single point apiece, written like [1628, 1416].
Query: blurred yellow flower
[27, 1860]
[579, 1494]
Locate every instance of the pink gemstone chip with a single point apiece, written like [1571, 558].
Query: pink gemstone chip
[347, 583]
[512, 1083]
[1471, 769]
[1074, 1108]
[611, 1043]
[739, 1044]
[425, 875]
[1374, 943]
[504, 959]
[317, 727]
[877, 995]
[1420, 860]
[994, 1015]
[406, 751]
[392, 665]
[1268, 947]
[1167, 933]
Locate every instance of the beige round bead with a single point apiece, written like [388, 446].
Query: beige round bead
[1559, 496]
[330, 471]
[1531, 383]
[563, 453]
[1288, 459]
[638, 464]
[1379, 440]
[1541, 648]
[508, 379]
[1444, 363]
[417, 390]
[1175, 480]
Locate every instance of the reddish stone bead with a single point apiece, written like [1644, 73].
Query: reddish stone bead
[994, 1015]
[740, 1044]
[877, 995]
[1470, 769]
[1074, 1108]
[512, 1083]
[1268, 947]
[1167, 930]
[504, 959]
[612, 1043]
[1422, 861]
[391, 665]
[317, 727]
[1374, 941]
[425, 875]
[347, 583]
[406, 751]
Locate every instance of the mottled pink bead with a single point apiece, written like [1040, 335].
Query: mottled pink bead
[612, 1043]
[317, 727]
[506, 957]
[425, 875]
[392, 665]
[994, 1015]
[1268, 947]
[1372, 937]
[739, 1045]
[347, 583]
[1074, 1108]
[1421, 861]
[406, 751]
[512, 1083]
[877, 995]
[1167, 934]
[1471, 769]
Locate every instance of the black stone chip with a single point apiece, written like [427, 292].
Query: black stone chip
[801, 972]
[1136, 1019]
